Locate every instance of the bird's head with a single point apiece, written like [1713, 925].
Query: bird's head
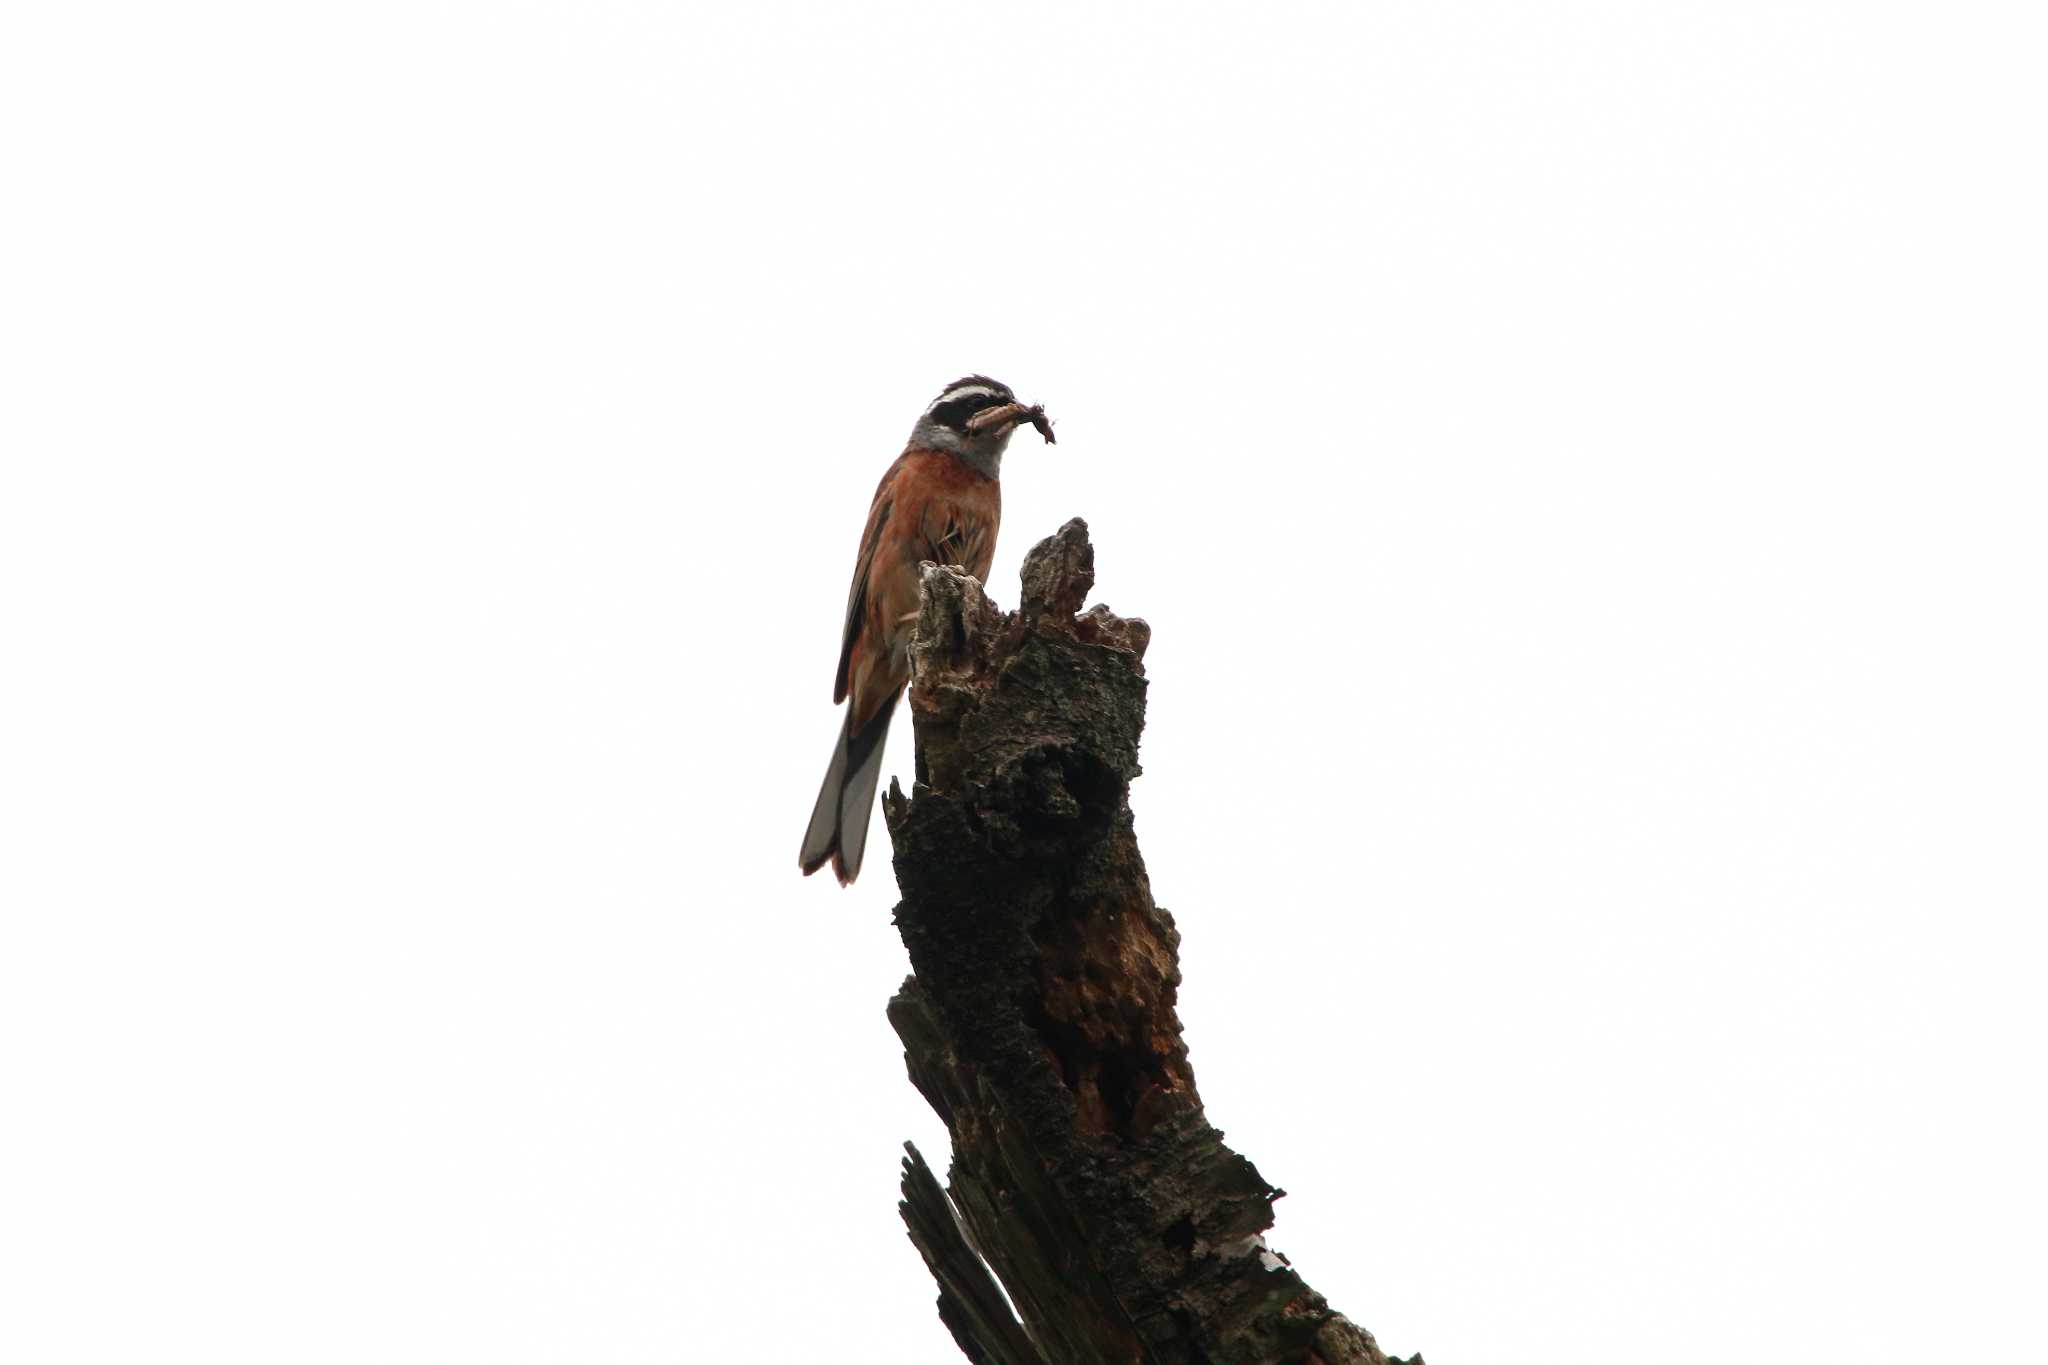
[973, 418]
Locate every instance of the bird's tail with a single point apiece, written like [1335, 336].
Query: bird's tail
[846, 801]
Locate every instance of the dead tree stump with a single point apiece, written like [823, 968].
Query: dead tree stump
[1040, 1019]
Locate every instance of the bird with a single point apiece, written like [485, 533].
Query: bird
[940, 501]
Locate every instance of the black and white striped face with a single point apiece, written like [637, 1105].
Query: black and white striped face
[963, 398]
[973, 418]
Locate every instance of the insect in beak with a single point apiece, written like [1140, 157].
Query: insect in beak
[1011, 415]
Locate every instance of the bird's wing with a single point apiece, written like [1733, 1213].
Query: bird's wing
[863, 572]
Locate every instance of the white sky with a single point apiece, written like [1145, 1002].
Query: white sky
[1583, 464]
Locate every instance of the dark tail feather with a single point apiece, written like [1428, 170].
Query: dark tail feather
[846, 801]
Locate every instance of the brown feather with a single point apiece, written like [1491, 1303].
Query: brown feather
[931, 505]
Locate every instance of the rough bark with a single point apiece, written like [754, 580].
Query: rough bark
[1040, 1019]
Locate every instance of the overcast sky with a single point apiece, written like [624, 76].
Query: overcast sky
[1582, 463]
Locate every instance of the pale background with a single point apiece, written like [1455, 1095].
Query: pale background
[1583, 463]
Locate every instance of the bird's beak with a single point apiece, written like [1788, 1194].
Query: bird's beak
[1011, 415]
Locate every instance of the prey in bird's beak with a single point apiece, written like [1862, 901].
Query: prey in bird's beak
[1012, 415]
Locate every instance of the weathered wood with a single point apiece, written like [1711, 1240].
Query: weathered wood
[971, 1304]
[1039, 1022]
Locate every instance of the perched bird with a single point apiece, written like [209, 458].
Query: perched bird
[940, 501]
